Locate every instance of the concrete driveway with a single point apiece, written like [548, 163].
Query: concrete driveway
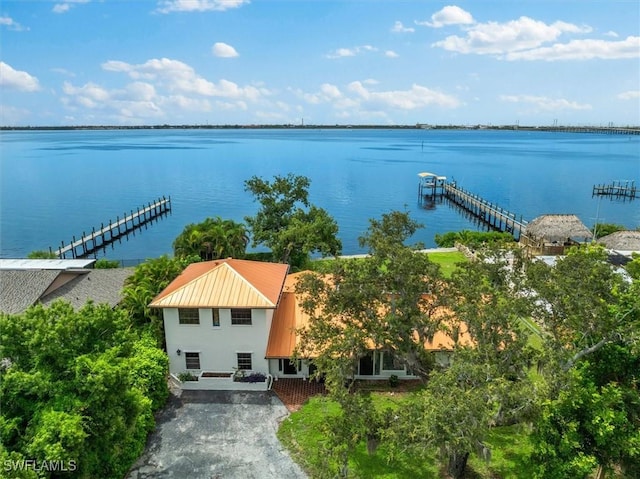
[217, 435]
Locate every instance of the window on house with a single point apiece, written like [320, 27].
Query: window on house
[188, 316]
[244, 361]
[241, 316]
[287, 367]
[192, 360]
[391, 363]
[215, 313]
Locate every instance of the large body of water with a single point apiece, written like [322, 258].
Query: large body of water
[56, 184]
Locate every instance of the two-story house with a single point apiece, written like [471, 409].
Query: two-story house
[218, 314]
[232, 315]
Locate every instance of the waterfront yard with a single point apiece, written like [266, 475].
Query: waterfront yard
[303, 435]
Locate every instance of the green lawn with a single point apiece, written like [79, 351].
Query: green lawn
[302, 434]
[447, 261]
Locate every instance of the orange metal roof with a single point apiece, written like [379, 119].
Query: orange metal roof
[289, 316]
[228, 283]
[286, 318]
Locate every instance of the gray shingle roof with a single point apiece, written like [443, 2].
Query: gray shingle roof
[98, 285]
[20, 289]
[23, 288]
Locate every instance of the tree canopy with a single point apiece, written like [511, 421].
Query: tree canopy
[213, 238]
[287, 223]
[529, 343]
[78, 387]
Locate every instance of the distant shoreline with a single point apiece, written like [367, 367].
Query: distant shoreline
[626, 130]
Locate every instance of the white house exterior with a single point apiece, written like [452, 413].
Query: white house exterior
[228, 316]
[217, 316]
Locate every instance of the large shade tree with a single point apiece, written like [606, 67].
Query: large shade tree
[589, 314]
[287, 223]
[395, 301]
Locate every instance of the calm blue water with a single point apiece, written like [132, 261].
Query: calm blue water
[58, 184]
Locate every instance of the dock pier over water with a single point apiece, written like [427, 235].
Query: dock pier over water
[618, 189]
[433, 186]
[98, 239]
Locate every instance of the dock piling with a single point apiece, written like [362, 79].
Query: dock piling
[89, 244]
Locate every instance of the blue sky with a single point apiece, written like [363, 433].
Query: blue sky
[387, 62]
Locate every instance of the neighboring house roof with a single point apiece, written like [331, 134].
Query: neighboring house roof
[22, 288]
[228, 283]
[558, 228]
[56, 264]
[622, 241]
[102, 286]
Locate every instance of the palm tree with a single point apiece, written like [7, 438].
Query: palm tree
[212, 239]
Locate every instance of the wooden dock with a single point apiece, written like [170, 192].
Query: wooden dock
[98, 239]
[625, 189]
[432, 186]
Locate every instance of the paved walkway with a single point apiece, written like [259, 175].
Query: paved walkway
[295, 392]
[215, 435]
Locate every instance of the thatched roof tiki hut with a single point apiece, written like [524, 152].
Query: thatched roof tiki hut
[622, 241]
[552, 234]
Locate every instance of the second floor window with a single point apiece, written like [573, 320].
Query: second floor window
[216, 317]
[241, 316]
[188, 316]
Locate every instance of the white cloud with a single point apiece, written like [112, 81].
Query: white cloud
[223, 50]
[65, 6]
[414, 98]
[350, 52]
[133, 104]
[611, 34]
[629, 95]
[63, 71]
[360, 98]
[449, 15]
[89, 95]
[17, 80]
[544, 103]
[582, 50]
[160, 88]
[11, 24]
[500, 38]
[11, 115]
[398, 27]
[391, 54]
[168, 6]
[176, 76]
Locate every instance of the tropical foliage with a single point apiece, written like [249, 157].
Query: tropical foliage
[473, 239]
[78, 388]
[42, 254]
[604, 229]
[147, 281]
[214, 238]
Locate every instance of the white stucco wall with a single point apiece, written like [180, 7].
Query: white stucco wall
[218, 346]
